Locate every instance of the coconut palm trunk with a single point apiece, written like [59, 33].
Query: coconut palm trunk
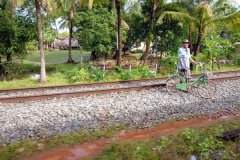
[190, 39]
[70, 60]
[148, 43]
[43, 77]
[199, 42]
[119, 47]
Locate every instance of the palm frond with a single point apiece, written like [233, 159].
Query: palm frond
[232, 21]
[203, 12]
[125, 25]
[218, 3]
[176, 16]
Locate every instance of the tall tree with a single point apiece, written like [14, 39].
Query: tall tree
[12, 5]
[96, 30]
[43, 77]
[204, 16]
[68, 9]
[150, 9]
[119, 36]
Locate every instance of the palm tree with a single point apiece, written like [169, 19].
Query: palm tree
[203, 18]
[119, 37]
[153, 6]
[12, 4]
[43, 77]
[67, 10]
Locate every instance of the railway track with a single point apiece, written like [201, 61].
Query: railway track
[33, 94]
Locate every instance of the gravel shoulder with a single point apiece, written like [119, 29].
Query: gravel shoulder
[145, 108]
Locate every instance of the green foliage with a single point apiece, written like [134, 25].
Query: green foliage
[15, 32]
[78, 75]
[217, 48]
[134, 73]
[145, 72]
[126, 75]
[89, 74]
[49, 35]
[63, 35]
[96, 29]
[201, 142]
[31, 46]
[98, 74]
[14, 70]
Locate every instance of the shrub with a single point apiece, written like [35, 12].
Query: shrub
[145, 73]
[126, 75]
[78, 75]
[97, 74]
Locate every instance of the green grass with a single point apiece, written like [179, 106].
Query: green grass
[201, 142]
[22, 79]
[27, 148]
[54, 57]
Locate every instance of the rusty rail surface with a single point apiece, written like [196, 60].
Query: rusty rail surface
[97, 92]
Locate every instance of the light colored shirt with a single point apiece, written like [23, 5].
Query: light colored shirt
[184, 55]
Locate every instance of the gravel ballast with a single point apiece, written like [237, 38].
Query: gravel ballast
[135, 109]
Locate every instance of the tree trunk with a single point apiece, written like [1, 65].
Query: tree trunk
[1, 68]
[93, 55]
[218, 65]
[119, 47]
[128, 42]
[212, 64]
[199, 41]
[9, 57]
[147, 52]
[43, 77]
[190, 39]
[70, 60]
[152, 13]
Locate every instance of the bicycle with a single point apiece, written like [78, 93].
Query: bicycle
[205, 87]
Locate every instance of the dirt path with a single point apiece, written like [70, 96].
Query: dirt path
[90, 149]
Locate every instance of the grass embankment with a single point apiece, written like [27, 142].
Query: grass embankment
[203, 143]
[27, 148]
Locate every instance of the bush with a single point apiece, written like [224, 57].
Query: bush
[126, 75]
[98, 75]
[14, 70]
[78, 75]
[145, 73]
[134, 74]
[32, 46]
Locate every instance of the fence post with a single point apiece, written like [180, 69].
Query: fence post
[104, 66]
[156, 66]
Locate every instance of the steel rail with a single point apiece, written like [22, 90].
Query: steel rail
[91, 92]
[96, 83]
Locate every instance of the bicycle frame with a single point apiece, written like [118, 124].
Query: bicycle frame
[202, 79]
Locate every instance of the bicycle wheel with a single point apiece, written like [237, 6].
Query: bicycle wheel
[207, 90]
[171, 84]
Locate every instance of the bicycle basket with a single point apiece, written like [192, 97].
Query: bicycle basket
[208, 75]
